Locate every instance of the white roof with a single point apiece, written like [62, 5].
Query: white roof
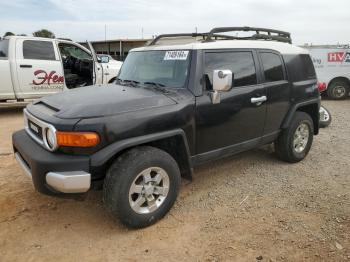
[283, 48]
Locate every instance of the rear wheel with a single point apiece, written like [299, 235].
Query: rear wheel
[141, 186]
[295, 142]
[338, 89]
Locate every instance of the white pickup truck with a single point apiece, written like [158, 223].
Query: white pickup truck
[32, 67]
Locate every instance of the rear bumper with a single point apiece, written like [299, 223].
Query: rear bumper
[51, 172]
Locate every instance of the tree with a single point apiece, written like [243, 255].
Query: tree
[8, 34]
[44, 33]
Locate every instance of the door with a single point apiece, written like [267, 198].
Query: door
[98, 69]
[39, 70]
[277, 91]
[237, 122]
[78, 64]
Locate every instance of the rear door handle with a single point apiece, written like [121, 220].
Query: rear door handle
[26, 66]
[258, 100]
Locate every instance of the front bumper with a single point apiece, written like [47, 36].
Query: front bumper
[51, 172]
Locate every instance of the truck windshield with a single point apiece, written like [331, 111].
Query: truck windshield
[160, 68]
[4, 45]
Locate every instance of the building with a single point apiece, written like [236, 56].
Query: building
[118, 48]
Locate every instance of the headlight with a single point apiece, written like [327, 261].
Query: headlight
[51, 138]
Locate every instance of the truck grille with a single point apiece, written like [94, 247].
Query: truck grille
[36, 129]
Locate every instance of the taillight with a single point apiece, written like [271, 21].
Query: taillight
[321, 86]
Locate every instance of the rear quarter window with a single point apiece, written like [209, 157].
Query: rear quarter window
[40, 50]
[4, 47]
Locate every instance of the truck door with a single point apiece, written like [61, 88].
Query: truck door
[39, 70]
[277, 90]
[237, 122]
[98, 69]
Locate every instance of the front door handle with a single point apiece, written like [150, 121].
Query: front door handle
[258, 100]
[25, 66]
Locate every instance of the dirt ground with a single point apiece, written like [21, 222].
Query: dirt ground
[250, 207]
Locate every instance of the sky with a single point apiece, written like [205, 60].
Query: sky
[309, 21]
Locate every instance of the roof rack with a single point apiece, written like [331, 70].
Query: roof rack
[260, 34]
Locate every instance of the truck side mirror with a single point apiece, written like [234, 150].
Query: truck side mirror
[104, 59]
[222, 82]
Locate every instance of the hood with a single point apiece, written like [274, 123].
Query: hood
[96, 101]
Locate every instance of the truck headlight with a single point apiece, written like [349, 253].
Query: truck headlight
[50, 137]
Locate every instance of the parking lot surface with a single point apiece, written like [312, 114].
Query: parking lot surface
[244, 208]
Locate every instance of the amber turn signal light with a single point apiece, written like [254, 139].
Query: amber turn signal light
[77, 139]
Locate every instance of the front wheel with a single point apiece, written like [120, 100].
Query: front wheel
[294, 143]
[325, 117]
[141, 186]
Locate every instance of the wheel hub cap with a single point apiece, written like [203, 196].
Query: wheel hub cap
[301, 138]
[339, 91]
[149, 190]
[324, 115]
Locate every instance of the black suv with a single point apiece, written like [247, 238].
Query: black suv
[183, 100]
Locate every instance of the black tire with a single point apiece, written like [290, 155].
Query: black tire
[284, 144]
[338, 89]
[326, 119]
[121, 176]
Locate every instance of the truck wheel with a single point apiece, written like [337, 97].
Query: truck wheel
[338, 89]
[141, 186]
[294, 143]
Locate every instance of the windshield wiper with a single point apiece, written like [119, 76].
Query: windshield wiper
[154, 84]
[133, 83]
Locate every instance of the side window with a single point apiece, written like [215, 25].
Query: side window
[73, 51]
[273, 68]
[240, 63]
[4, 47]
[40, 50]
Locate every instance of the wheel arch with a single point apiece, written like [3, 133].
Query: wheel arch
[173, 142]
[310, 107]
[343, 78]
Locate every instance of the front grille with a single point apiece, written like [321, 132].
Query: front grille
[36, 129]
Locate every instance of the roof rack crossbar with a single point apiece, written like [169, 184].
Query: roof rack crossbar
[155, 40]
[203, 35]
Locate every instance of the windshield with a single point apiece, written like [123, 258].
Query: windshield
[162, 68]
[4, 45]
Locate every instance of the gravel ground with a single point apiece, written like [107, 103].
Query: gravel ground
[250, 207]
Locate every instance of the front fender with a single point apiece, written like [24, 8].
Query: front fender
[101, 157]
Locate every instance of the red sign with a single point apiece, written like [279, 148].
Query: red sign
[336, 57]
[43, 77]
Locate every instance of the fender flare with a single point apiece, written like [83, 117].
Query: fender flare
[287, 120]
[105, 154]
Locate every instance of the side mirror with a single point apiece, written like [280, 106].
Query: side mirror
[104, 59]
[222, 82]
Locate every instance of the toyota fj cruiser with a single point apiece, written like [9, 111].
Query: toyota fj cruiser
[184, 100]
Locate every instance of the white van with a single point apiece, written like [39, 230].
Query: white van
[32, 67]
[332, 64]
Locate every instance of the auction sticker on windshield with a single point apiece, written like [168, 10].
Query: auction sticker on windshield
[176, 55]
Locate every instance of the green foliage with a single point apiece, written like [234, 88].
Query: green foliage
[8, 34]
[44, 33]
